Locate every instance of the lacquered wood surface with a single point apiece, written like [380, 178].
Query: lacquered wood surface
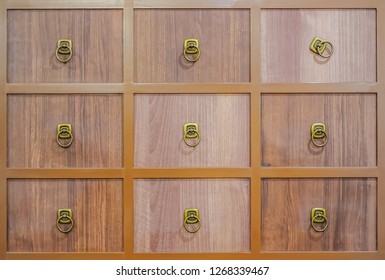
[97, 206]
[351, 128]
[224, 127]
[224, 208]
[286, 35]
[97, 46]
[97, 124]
[350, 209]
[223, 35]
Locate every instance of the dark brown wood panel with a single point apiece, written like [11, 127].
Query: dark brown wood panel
[223, 34]
[351, 127]
[97, 123]
[97, 206]
[351, 210]
[224, 208]
[97, 46]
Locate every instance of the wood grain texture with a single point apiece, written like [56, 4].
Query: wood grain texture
[97, 207]
[286, 35]
[97, 46]
[351, 125]
[224, 36]
[97, 123]
[224, 126]
[350, 208]
[223, 204]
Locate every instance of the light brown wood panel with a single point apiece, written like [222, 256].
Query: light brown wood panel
[97, 206]
[97, 123]
[286, 35]
[224, 208]
[223, 34]
[351, 126]
[224, 126]
[351, 210]
[97, 46]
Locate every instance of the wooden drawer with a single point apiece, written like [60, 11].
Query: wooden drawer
[97, 207]
[351, 211]
[351, 127]
[286, 35]
[223, 123]
[96, 121]
[223, 205]
[97, 46]
[224, 44]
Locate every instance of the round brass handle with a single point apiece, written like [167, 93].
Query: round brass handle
[62, 144]
[321, 47]
[196, 228]
[194, 144]
[191, 49]
[65, 230]
[319, 229]
[317, 132]
[63, 50]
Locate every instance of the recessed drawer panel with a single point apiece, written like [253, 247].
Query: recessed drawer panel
[218, 52]
[344, 215]
[73, 46]
[217, 215]
[90, 219]
[76, 130]
[344, 130]
[192, 130]
[286, 36]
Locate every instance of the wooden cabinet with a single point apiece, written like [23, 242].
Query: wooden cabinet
[265, 117]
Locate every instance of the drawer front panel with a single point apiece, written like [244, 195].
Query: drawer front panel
[224, 43]
[97, 207]
[351, 213]
[224, 130]
[286, 35]
[97, 46]
[224, 209]
[96, 122]
[350, 122]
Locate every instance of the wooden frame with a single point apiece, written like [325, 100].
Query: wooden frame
[255, 88]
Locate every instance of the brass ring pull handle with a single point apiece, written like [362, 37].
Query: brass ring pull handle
[64, 131]
[318, 131]
[65, 217]
[64, 50]
[191, 131]
[318, 46]
[191, 216]
[318, 216]
[191, 51]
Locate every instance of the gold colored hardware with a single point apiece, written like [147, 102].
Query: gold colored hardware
[191, 48]
[318, 46]
[318, 216]
[191, 216]
[64, 216]
[191, 131]
[64, 48]
[64, 131]
[318, 131]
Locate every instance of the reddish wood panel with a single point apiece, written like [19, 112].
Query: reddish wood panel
[223, 35]
[224, 208]
[351, 127]
[97, 38]
[351, 210]
[286, 35]
[97, 206]
[224, 127]
[97, 124]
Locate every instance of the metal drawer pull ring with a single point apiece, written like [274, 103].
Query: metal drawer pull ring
[191, 131]
[191, 216]
[191, 47]
[318, 46]
[318, 131]
[64, 217]
[316, 217]
[64, 131]
[64, 50]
